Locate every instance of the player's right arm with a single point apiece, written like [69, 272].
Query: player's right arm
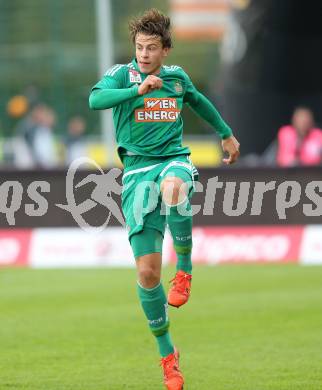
[150, 84]
[109, 91]
[101, 99]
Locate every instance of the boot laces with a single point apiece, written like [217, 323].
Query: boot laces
[169, 365]
[181, 282]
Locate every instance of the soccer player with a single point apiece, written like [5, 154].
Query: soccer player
[158, 180]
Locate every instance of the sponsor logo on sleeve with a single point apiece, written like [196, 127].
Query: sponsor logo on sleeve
[135, 76]
[178, 87]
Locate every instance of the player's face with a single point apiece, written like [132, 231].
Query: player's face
[150, 53]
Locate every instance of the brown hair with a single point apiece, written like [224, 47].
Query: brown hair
[152, 22]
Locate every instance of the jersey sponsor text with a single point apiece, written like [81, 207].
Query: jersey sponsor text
[158, 110]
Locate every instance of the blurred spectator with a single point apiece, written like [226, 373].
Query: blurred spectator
[44, 145]
[300, 143]
[37, 146]
[32, 93]
[23, 144]
[75, 144]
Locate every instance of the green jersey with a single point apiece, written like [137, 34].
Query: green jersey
[151, 125]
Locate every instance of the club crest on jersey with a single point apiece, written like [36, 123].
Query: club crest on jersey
[178, 87]
[135, 76]
[158, 110]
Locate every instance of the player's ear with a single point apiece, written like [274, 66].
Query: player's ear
[166, 51]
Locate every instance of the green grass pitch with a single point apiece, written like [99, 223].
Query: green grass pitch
[245, 328]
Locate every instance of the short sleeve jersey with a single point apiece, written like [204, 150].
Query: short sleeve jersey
[150, 125]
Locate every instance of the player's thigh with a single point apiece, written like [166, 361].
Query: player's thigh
[141, 203]
[148, 240]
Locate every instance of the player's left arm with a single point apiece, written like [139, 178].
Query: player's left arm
[207, 111]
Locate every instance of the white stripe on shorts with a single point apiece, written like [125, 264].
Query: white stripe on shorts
[176, 163]
[144, 169]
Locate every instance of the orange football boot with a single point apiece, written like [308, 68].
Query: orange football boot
[179, 292]
[173, 378]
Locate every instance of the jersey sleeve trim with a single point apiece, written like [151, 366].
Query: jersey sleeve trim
[114, 70]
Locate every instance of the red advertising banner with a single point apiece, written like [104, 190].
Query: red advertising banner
[14, 247]
[260, 244]
[73, 247]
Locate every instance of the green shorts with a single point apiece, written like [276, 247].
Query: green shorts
[141, 198]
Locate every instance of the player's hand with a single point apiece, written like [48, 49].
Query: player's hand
[150, 84]
[231, 146]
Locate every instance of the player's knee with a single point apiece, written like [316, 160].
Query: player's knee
[148, 277]
[174, 190]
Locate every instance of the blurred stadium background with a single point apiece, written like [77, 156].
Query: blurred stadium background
[256, 60]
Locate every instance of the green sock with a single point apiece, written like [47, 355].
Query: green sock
[155, 306]
[181, 231]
